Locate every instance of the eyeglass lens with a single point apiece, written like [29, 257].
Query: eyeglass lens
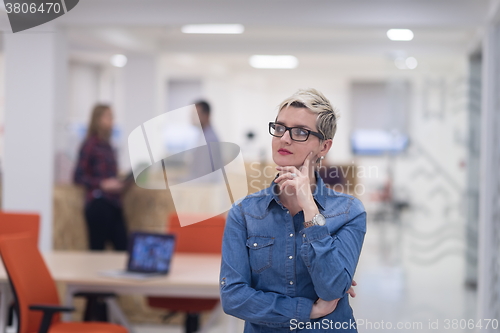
[296, 133]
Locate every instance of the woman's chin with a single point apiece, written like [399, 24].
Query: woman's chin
[284, 160]
[279, 160]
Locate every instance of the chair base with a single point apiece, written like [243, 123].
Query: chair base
[192, 322]
[95, 310]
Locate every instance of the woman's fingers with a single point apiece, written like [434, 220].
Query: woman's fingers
[321, 308]
[307, 163]
[290, 169]
[287, 183]
[298, 180]
[288, 175]
[351, 289]
[287, 172]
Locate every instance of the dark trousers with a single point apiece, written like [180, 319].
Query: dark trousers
[105, 222]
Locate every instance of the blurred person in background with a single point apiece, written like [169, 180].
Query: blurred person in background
[201, 164]
[203, 109]
[290, 251]
[96, 170]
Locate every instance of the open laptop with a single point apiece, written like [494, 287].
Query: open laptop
[149, 255]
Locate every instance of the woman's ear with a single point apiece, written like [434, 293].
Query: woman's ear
[325, 147]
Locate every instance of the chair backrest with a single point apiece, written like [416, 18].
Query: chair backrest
[201, 237]
[12, 223]
[30, 278]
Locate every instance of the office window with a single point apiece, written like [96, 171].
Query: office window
[380, 117]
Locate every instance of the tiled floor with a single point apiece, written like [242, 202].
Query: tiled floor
[219, 327]
[395, 288]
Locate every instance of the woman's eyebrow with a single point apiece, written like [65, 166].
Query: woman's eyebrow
[297, 125]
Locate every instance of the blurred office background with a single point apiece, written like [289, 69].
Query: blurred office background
[417, 139]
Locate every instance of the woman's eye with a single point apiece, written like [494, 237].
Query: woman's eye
[279, 129]
[300, 132]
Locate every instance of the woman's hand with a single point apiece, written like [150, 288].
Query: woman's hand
[111, 185]
[293, 180]
[351, 290]
[321, 308]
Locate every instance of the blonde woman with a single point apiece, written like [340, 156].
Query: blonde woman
[290, 251]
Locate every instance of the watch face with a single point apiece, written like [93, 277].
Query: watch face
[320, 219]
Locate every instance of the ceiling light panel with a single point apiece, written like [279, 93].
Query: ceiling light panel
[273, 61]
[400, 34]
[213, 29]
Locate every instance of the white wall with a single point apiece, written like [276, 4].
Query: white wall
[88, 84]
[84, 90]
[2, 107]
[33, 100]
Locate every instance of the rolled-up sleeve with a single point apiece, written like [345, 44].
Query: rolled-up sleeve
[331, 259]
[238, 297]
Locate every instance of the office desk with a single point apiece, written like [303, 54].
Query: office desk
[191, 275]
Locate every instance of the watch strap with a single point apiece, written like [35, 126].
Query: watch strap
[308, 224]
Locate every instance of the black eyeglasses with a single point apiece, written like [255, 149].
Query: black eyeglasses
[296, 133]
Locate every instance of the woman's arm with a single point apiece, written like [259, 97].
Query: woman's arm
[331, 259]
[83, 172]
[238, 298]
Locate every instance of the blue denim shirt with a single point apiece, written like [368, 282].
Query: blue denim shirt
[273, 269]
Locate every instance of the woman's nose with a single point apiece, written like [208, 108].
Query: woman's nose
[286, 137]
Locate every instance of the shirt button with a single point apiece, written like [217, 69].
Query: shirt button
[290, 257]
[254, 244]
[304, 235]
[291, 235]
[291, 282]
[223, 283]
[287, 212]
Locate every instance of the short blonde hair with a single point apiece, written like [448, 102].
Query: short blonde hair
[315, 101]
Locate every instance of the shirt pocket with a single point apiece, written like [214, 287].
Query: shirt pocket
[260, 249]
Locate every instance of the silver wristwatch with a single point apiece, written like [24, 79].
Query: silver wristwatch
[318, 219]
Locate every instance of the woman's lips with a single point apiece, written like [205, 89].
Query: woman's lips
[284, 152]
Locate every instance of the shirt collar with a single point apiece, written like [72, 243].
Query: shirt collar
[319, 195]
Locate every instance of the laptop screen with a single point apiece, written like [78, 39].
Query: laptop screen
[150, 252]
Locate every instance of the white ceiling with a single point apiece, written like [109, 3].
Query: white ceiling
[277, 26]
[272, 40]
[284, 13]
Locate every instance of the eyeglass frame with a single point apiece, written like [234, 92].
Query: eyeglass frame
[309, 132]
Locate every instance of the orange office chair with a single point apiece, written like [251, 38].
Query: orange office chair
[201, 237]
[12, 223]
[36, 293]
